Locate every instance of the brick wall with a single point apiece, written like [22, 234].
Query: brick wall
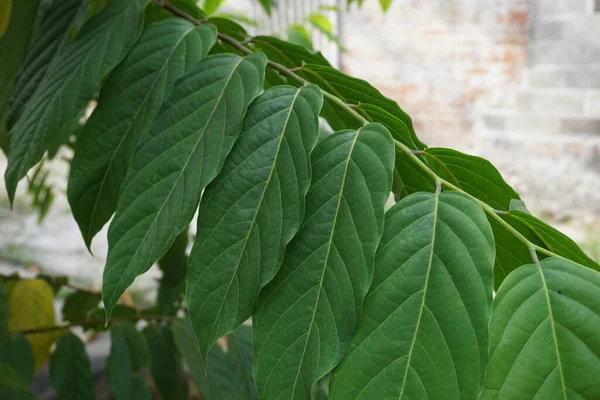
[437, 57]
[516, 81]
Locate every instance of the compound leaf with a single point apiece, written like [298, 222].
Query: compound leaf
[423, 333]
[183, 152]
[544, 341]
[307, 315]
[128, 104]
[252, 210]
[69, 84]
[70, 370]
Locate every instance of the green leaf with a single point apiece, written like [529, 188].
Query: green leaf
[423, 334]
[16, 352]
[53, 32]
[227, 376]
[128, 104]
[70, 370]
[352, 91]
[385, 4]
[229, 28]
[11, 385]
[155, 12]
[322, 24]
[399, 125]
[287, 54]
[307, 315]
[166, 367]
[252, 210]
[475, 175]
[13, 49]
[5, 15]
[128, 354]
[4, 300]
[299, 35]
[174, 268]
[554, 240]
[200, 122]
[211, 6]
[69, 84]
[544, 341]
[239, 351]
[267, 4]
[32, 306]
[79, 305]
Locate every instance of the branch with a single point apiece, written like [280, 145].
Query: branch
[401, 146]
[93, 322]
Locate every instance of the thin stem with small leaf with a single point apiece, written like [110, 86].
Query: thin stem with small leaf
[412, 153]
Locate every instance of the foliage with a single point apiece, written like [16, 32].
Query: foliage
[299, 284]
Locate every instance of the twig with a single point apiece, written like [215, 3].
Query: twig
[100, 322]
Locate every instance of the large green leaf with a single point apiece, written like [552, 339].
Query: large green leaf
[15, 351]
[70, 370]
[308, 313]
[287, 54]
[12, 386]
[352, 91]
[183, 152]
[544, 341]
[167, 366]
[4, 299]
[13, 48]
[228, 373]
[397, 126]
[128, 104]
[53, 31]
[69, 83]
[552, 239]
[128, 354]
[475, 175]
[423, 333]
[252, 210]
[79, 305]
[174, 273]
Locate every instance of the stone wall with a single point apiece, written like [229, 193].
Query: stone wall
[516, 81]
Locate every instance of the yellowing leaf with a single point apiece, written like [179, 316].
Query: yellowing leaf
[31, 306]
[5, 11]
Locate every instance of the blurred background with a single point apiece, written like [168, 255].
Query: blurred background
[514, 81]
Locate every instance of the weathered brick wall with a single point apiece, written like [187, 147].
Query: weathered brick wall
[516, 81]
[436, 57]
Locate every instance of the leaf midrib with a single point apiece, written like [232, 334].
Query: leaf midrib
[233, 70]
[425, 286]
[329, 245]
[553, 328]
[258, 206]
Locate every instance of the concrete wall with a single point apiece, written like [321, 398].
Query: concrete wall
[516, 81]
